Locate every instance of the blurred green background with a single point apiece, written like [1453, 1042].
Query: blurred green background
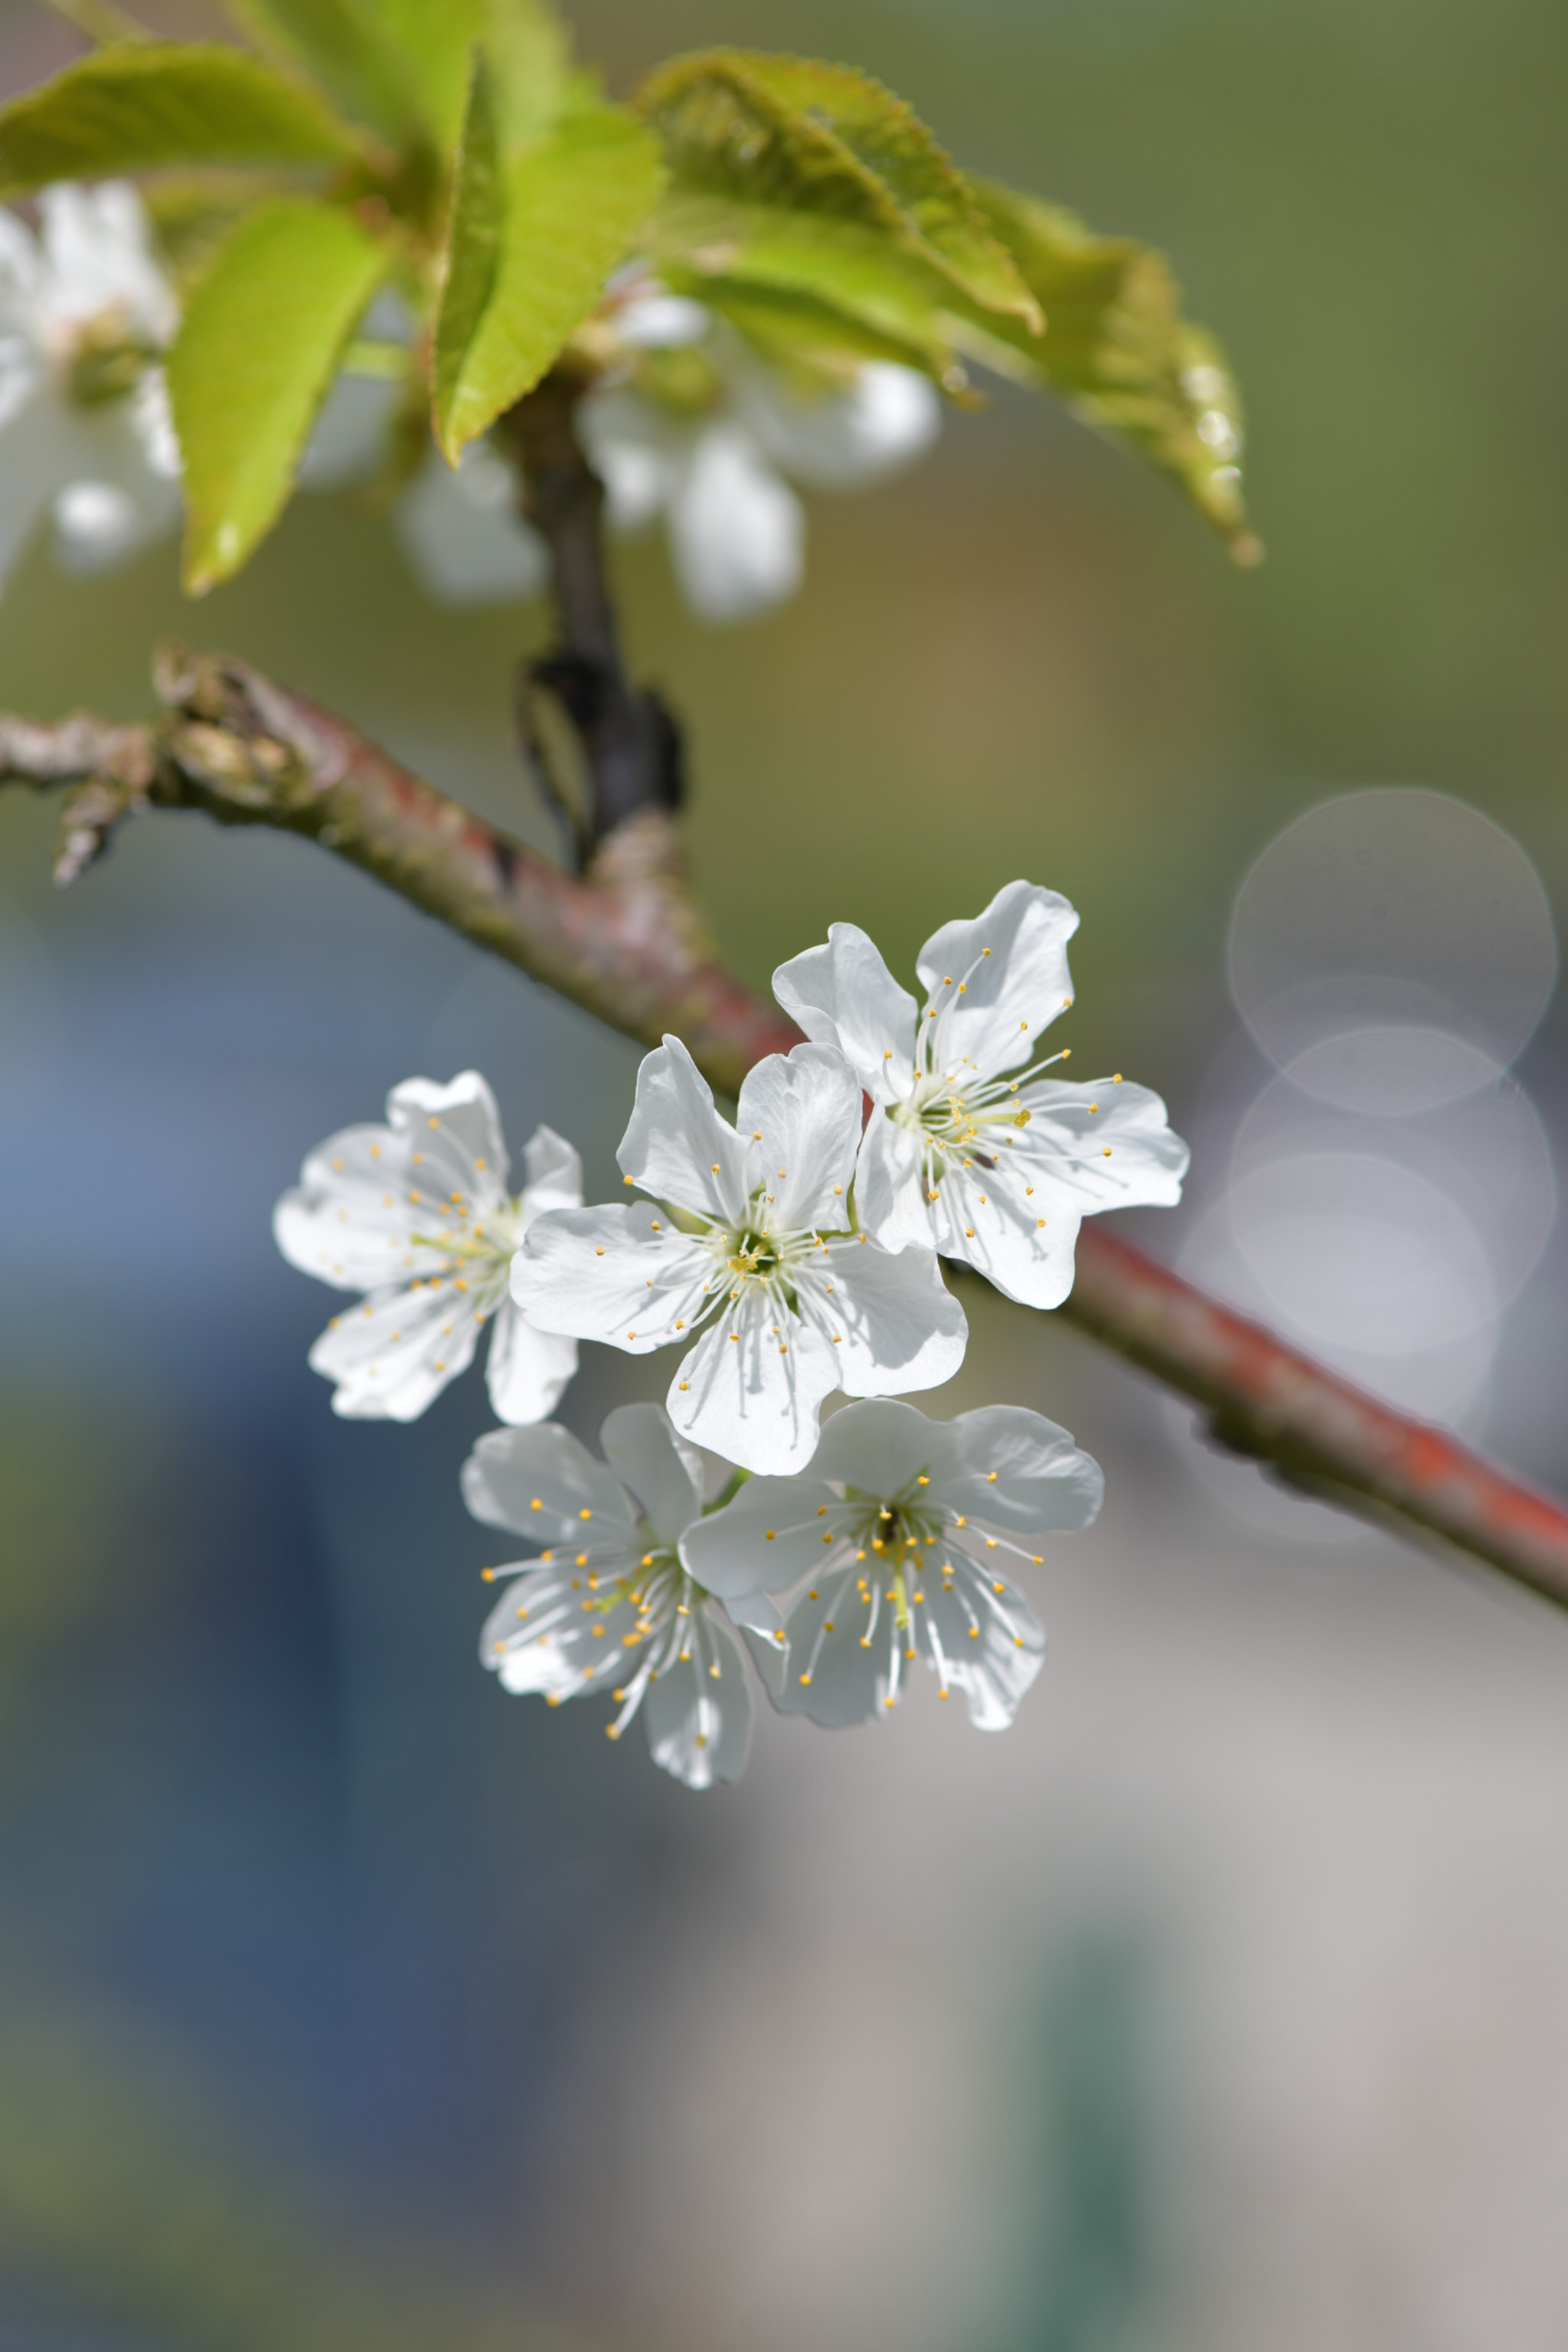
[344, 2003]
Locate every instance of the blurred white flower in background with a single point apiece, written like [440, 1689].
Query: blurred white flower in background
[416, 1216]
[713, 456]
[894, 1546]
[969, 1151]
[608, 1603]
[460, 530]
[85, 434]
[746, 1257]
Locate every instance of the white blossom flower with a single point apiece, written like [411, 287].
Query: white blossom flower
[714, 468]
[462, 534]
[85, 431]
[606, 1603]
[895, 1545]
[748, 1243]
[969, 1150]
[417, 1214]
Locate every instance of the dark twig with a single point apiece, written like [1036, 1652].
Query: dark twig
[630, 739]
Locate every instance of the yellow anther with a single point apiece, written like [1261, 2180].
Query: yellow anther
[1105, 1151]
[922, 1480]
[771, 1533]
[488, 1574]
[1116, 1078]
[715, 1168]
[822, 1510]
[686, 1384]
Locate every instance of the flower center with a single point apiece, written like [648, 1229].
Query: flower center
[484, 1248]
[102, 358]
[753, 1258]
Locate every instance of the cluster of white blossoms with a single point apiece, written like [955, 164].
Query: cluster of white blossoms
[687, 424]
[788, 1256]
[86, 441]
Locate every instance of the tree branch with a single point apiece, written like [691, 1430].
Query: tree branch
[626, 942]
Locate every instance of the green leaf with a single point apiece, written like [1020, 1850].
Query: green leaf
[1119, 351]
[473, 246]
[148, 103]
[523, 39]
[562, 215]
[723, 252]
[786, 135]
[342, 46]
[255, 356]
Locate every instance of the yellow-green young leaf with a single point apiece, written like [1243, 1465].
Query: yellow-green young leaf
[129, 109]
[255, 356]
[473, 243]
[342, 46]
[523, 39]
[1119, 351]
[716, 250]
[787, 134]
[568, 209]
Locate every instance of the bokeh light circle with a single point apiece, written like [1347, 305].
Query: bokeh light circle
[1393, 949]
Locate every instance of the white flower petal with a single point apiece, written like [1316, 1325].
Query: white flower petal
[677, 1146]
[463, 539]
[99, 253]
[769, 1536]
[993, 1666]
[665, 1476]
[1023, 1245]
[1011, 993]
[891, 1191]
[549, 1635]
[836, 1668]
[1104, 1146]
[395, 1354]
[889, 418]
[803, 1110]
[622, 1275]
[878, 1446]
[699, 1722]
[554, 1173]
[843, 994]
[752, 1387]
[457, 1126]
[350, 1221]
[527, 1370]
[737, 531]
[1013, 1468]
[636, 450]
[659, 321]
[511, 1471]
[890, 1321]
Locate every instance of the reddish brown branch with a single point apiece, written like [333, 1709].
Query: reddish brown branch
[1316, 1430]
[626, 942]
